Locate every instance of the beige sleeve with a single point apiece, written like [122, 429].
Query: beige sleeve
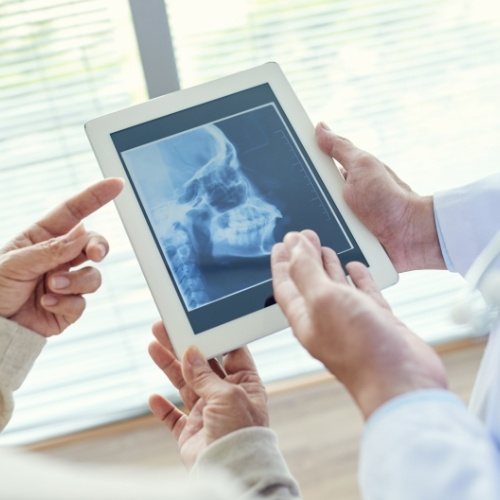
[19, 348]
[51, 479]
[252, 456]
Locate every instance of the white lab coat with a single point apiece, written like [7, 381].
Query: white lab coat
[427, 445]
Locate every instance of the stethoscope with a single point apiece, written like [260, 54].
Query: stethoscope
[479, 305]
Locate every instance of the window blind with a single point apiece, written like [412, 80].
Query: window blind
[413, 82]
[63, 63]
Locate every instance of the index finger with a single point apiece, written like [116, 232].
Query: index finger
[161, 335]
[72, 211]
[239, 360]
[306, 267]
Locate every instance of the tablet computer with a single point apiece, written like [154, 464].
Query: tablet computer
[215, 175]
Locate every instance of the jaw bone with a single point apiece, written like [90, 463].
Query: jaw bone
[245, 231]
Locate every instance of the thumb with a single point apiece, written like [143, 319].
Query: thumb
[339, 148]
[35, 260]
[199, 376]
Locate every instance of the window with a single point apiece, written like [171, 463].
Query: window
[63, 63]
[413, 82]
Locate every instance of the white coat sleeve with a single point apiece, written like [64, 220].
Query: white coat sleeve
[467, 218]
[425, 445]
[19, 349]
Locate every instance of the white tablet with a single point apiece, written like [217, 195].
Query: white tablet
[215, 175]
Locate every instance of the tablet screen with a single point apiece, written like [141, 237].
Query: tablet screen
[219, 184]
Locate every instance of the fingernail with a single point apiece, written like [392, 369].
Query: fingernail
[59, 282]
[194, 357]
[324, 126]
[49, 300]
[291, 240]
[101, 251]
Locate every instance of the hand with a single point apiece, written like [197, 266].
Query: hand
[349, 328]
[219, 399]
[401, 220]
[38, 289]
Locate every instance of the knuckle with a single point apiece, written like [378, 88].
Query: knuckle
[364, 159]
[54, 245]
[55, 248]
[234, 392]
[323, 299]
[203, 378]
[74, 210]
[344, 141]
[8, 259]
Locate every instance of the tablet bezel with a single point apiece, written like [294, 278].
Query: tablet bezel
[243, 330]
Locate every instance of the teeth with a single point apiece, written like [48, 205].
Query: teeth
[212, 190]
[244, 231]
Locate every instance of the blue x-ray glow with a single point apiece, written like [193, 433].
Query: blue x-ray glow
[220, 195]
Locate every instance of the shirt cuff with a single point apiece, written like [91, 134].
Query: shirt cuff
[424, 396]
[464, 222]
[442, 244]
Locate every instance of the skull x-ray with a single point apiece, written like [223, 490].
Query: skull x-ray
[206, 212]
[219, 195]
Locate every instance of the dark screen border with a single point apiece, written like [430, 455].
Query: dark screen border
[260, 296]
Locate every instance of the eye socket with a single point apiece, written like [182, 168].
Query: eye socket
[223, 197]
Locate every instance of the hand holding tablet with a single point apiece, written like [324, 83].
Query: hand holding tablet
[217, 174]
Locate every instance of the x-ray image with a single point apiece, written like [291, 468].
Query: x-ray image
[220, 195]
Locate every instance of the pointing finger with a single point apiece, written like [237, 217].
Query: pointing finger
[75, 209]
[313, 238]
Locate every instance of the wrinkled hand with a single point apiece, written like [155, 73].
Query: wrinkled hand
[349, 328]
[38, 288]
[401, 220]
[219, 399]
